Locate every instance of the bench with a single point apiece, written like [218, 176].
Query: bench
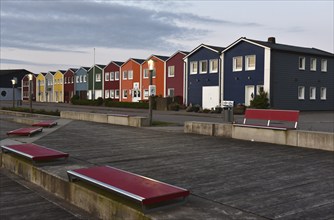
[25, 131]
[146, 191]
[35, 152]
[286, 119]
[45, 124]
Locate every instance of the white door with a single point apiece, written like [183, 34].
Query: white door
[136, 92]
[210, 97]
[249, 94]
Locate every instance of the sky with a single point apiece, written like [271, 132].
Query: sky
[51, 35]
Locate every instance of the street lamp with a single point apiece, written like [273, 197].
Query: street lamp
[150, 64]
[14, 81]
[30, 91]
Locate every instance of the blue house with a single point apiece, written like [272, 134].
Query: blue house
[202, 76]
[81, 82]
[294, 77]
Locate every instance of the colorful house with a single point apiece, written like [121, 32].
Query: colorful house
[58, 87]
[81, 82]
[25, 90]
[49, 86]
[175, 75]
[203, 81]
[294, 77]
[69, 89]
[41, 87]
[111, 76]
[158, 78]
[95, 81]
[130, 83]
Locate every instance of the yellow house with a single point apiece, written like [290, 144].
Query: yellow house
[58, 89]
[40, 87]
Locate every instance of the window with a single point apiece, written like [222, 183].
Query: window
[85, 78]
[106, 94]
[203, 66]
[80, 78]
[98, 77]
[323, 65]
[170, 92]
[130, 74]
[116, 93]
[323, 95]
[145, 93]
[301, 92]
[237, 64]
[125, 93]
[125, 74]
[154, 73]
[117, 75]
[171, 71]
[65, 80]
[313, 64]
[106, 76]
[112, 76]
[213, 66]
[302, 63]
[112, 93]
[259, 88]
[193, 67]
[312, 93]
[250, 62]
[145, 74]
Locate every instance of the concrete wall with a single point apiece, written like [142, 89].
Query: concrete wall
[308, 139]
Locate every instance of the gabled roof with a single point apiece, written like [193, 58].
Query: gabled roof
[140, 61]
[177, 52]
[52, 72]
[73, 69]
[282, 47]
[163, 58]
[117, 63]
[100, 66]
[210, 47]
[62, 71]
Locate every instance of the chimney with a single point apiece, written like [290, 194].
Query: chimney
[272, 40]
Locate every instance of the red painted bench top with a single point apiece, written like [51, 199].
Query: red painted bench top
[48, 123]
[145, 190]
[25, 131]
[35, 152]
[271, 115]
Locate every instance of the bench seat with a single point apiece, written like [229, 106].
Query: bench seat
[25, 131]
[35, 152]
[139, 188]
[262, 126]
[47, 124]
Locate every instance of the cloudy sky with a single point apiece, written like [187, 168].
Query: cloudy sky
[48, 35]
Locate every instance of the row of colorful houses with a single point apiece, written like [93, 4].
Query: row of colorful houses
[294, 77]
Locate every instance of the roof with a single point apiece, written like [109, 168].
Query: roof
[179, 51]
[62, 71]
[7, 75]
[117, 63]
[219, 49]
[163, 58]
[100, 66]
[210, 47]
[73, 69]
[140, 61]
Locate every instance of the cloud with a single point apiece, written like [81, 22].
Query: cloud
[23, 62]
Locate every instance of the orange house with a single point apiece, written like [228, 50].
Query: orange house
[130, 80]
[158, 78]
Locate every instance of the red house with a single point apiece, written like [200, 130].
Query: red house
[175, 75]
[111, 76]
[25, 87]
[69, 89]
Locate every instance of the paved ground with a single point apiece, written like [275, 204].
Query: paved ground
[228, 179]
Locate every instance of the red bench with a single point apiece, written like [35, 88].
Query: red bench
[25, 131]
[35, 152]
[141, 189]
[44, 124]
[285, 119]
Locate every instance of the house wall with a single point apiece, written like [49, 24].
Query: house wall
[97, 84]
[68, 85]
[81, 88]
[49, 87]
[128, 83]
[111, 85]
[58, 87]
[195, 82]
[286, 78]
[235, 82]
[40, 88]
[176, 82]
[158, 80]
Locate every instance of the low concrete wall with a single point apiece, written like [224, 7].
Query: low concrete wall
[100, 203]
[125, 120]
[308, 139]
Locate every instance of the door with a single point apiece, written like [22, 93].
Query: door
[249, 94]
[135, 92]
[210, 97]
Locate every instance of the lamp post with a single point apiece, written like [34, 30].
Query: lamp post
[30, 91]
[151, 68]
[14, 81]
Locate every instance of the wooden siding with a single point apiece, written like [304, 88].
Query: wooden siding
[111, 85]
[58, 91]
[176, 82]
[128, 83]
[68, 85]
[159, 80]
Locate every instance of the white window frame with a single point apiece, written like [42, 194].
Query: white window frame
[212, 70]
[130, 74]
[201, 62]
[247, 65]
[301, 63]
[116, 75]
[80, 78]
[106, 76]
[85, 78]
[171, 71]
[116, 93]
[323, 93]
[323, 65]
[235, 68]
[146, 93]
[125, 93]
[301, 92]
[125, 75]
[98, 77]
[169, 92]
[193, 67]
[313, 93]
[106, 94]
[112, 93]
[145, 74]
[112, 76]
[313, 64]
